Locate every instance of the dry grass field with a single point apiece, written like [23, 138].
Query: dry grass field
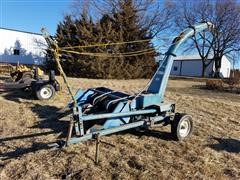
[213, 152]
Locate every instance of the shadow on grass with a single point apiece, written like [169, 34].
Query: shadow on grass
[12, 138]
[228, 144]
[167, 136]
[16, 94]
[47, 119]
[22, 150]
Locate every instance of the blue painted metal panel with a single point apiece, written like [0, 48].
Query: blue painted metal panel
[81, 97]
[114, 122]
[147, 100]
[115, 115]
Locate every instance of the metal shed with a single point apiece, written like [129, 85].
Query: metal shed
[191, 66]
[21, 46]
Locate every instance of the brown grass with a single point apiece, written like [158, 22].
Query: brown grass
[228, 85]
[213, 152]
[235, 74]
[214, 84]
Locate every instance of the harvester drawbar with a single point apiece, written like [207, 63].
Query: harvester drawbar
[101, 111]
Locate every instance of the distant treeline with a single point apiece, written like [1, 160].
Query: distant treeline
[121, 61]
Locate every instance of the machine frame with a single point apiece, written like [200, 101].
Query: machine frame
[101, 111]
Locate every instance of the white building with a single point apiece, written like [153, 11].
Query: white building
[23, 47]
[192, 66]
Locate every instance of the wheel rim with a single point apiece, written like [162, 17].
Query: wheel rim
[46, 93]
[184, 127]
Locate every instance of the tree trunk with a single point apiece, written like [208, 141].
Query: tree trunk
[204, 67]
[218, 63]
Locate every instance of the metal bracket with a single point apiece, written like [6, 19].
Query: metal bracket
[80, 121]
[77, 114]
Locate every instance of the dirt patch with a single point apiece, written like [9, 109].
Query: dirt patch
[28, 126]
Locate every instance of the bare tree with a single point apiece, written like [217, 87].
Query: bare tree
[225, 15]
[227, 30]
[189, 13]
[153, 15]
[235, 60]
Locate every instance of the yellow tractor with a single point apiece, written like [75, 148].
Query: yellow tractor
[23, 72]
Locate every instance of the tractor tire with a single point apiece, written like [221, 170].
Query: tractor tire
[181, 126]
[45, 92]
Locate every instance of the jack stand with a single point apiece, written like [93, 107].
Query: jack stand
[97, 148]
[98, 141]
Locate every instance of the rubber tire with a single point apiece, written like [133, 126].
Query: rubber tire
[175, 126]
[38, 92]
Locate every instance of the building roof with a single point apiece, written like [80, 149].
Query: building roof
[189, 57]
[20, 31]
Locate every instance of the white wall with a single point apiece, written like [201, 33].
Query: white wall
[192, 68]
[226, 67]
[31, 47]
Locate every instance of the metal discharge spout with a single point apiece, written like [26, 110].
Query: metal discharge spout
[159, 81]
